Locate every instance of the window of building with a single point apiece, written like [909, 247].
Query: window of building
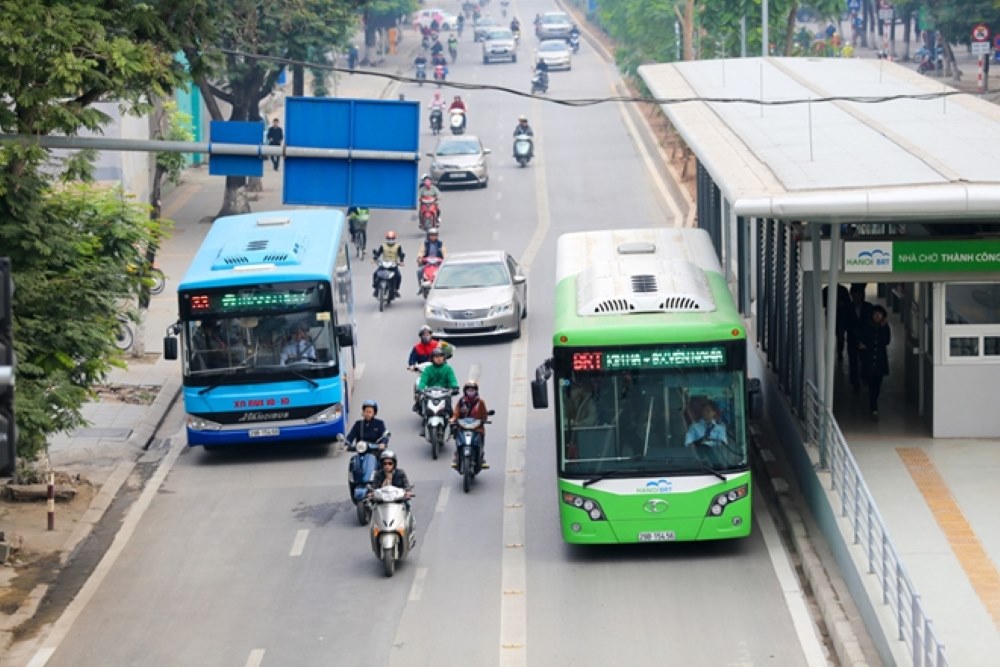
[972, 321]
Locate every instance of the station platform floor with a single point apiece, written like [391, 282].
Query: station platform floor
[940, 500]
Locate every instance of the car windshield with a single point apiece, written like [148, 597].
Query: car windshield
[458, 276]
[500, 34]
[555, 18]
[486, 20]
[461, 147]
[552, 46]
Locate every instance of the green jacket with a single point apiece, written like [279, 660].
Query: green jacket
[438, 376]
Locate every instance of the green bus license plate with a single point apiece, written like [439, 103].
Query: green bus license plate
[659, 536]
[263, 432]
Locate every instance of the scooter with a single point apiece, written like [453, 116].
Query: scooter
[469, 446]
[392, 533]
[421, 74]
[360, 472]
[435, 409]
[427, 274]
[440, 74]
[523, 149]
[430, 214]
[437, 117]
[457, 121]
[540, 83]
[574, 43]
[385, 277]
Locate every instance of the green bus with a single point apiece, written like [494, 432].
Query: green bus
[651, 391]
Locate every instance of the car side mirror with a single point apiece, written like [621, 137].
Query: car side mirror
[429, 154]
[520, 280]
[539, 394]
[345, 335]
[169, 347]
[490, 413]
[755, 399]
[487, 151]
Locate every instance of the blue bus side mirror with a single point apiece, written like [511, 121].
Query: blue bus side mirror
[539, 394]
[169, 347]
[755, 399]
[345, 335]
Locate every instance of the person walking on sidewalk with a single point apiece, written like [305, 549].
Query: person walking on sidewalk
[275, 137]
[858, 316]
[875, 339]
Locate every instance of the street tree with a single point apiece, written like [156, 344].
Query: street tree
[237, 70]
[74, 247]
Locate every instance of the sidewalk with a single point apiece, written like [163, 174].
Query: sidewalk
[136, 399]
[937, 498]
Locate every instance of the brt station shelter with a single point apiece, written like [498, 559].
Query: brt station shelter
[852, 171]
[902, 194]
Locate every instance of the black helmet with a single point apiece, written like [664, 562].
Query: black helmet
[370, 404]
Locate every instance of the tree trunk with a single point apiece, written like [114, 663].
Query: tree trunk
[234, 200]
[688, 25]
[790, 29]
[951, 65]
[907, 35]
[298, 81]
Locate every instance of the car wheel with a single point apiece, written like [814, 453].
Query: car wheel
[486, 61]
[485, 183]
[517, 332]
[524, 311]
[513, 58]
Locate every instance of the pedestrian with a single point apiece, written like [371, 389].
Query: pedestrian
[352, 57]
[875, 339]
[275, 137]
[858, 316]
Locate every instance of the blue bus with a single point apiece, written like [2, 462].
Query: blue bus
[266, 317]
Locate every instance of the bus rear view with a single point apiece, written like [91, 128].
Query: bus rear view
[651, 393]
[265, 317]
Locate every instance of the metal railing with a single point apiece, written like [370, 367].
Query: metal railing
[870, 533]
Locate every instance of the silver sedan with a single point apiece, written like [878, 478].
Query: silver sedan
[555, 53]
[477, 294]
[460, 160]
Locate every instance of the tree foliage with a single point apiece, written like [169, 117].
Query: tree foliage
[73, 246]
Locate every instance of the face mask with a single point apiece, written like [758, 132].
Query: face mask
[470, 393]
[426, 338]
[392, 242]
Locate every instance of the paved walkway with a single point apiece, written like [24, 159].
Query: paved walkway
[938, 499]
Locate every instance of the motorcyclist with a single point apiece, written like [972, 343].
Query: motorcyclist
[432, 247]
[471, 405]
[420, 61]
[522, 127]
[390, 251]
[357, 222]
[428, 189]
[538, 23]
[390, 474]
[453, 46]
[438, 374]
[542, 68]
[515, 26]
[574, 32]
[421, 352]
[457, 103]
[460, 23]
[368, 429]
[436, 48]
[437, 102]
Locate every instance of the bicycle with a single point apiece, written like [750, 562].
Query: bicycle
[124, 337]
[359, 238]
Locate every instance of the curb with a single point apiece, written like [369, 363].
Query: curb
[841, 634]
[140, 439]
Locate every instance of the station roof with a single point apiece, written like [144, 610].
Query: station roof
[825, 161]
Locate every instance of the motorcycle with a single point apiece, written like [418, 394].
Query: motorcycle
[523, 149]
[440, 74]
[421, 74]
[540, 83]
[435, 409]
[385, 277]
[360, 472]
[574, 43]
[453, 52]
[427, 274]
[392, 526]
[430, 214]
[457, 121]
[436, 119]
[469, 446]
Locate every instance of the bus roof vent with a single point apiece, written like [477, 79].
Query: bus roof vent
[637, 248]
[642, 285]
[276, 249]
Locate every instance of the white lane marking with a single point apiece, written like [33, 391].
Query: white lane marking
[417, 589]
[41, 657]
[496, 216]
[299, 543]
[794, 598]
[496, 236]
[654, 174]
[442, 499]
[513, 569]
[499, 195]
[359, 371]
[65, 622]
[256, 657]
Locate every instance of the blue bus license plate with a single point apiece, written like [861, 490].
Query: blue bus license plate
[263, 432]
[659, 536]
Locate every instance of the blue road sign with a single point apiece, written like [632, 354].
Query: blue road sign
[236, 132]
[355, 125]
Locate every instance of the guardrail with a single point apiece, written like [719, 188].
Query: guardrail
[870, 533]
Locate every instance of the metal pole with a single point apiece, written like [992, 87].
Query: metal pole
[763, 27]
[743, 36]
[831, 319]
[50, 501]
[817, 313]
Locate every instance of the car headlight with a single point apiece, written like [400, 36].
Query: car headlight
[502, 308]
[435, 311]
[201, 424]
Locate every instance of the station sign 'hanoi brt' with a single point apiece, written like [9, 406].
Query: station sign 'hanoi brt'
[924, 256]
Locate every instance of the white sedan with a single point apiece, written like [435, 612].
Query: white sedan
[424, 17]
[555, 53]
